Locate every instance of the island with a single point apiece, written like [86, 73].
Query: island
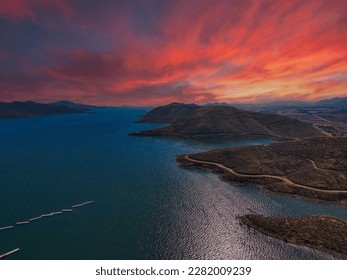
[312, 168]
[216, 122]
[18, 109]
[324, 233]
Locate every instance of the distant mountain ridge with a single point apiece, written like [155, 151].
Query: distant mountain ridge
[339, 103]
[69, 104]
[18, 109]
[335, 103]
[224, 122]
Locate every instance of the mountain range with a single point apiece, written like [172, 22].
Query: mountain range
[18, 109]
[338, 103]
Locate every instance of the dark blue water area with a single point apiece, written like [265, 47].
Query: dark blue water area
[145, 205]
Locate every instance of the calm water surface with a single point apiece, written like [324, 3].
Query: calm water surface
[145, 206]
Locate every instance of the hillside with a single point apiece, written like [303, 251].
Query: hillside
[313, 168]
[169, 113]
[28, 109]
[225, 122]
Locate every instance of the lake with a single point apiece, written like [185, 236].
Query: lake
[145, 206]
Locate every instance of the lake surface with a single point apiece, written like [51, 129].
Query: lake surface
[145, 206]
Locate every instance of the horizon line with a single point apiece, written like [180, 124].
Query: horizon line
[201, 104]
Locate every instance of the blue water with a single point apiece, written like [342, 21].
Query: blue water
[145, 206]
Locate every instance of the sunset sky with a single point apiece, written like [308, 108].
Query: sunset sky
[155, 52]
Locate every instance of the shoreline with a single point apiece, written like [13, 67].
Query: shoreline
[267, 182]
[323, 233]
[270, 183]
[241, 136]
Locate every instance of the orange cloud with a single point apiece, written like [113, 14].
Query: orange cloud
[231, 50]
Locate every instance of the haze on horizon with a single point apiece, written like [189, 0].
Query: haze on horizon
[148, 52]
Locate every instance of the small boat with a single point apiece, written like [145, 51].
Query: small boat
[67, 210]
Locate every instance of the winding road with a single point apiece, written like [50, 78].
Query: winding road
[300, 157]
[282, 178]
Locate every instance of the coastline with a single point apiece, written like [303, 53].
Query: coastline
[240, 136]
[323, 233]
[269, 185]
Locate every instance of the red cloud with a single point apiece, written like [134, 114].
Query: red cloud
[219, 51]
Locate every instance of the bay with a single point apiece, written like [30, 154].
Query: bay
[145, 206]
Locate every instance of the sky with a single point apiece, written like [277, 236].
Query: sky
[146, 53]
